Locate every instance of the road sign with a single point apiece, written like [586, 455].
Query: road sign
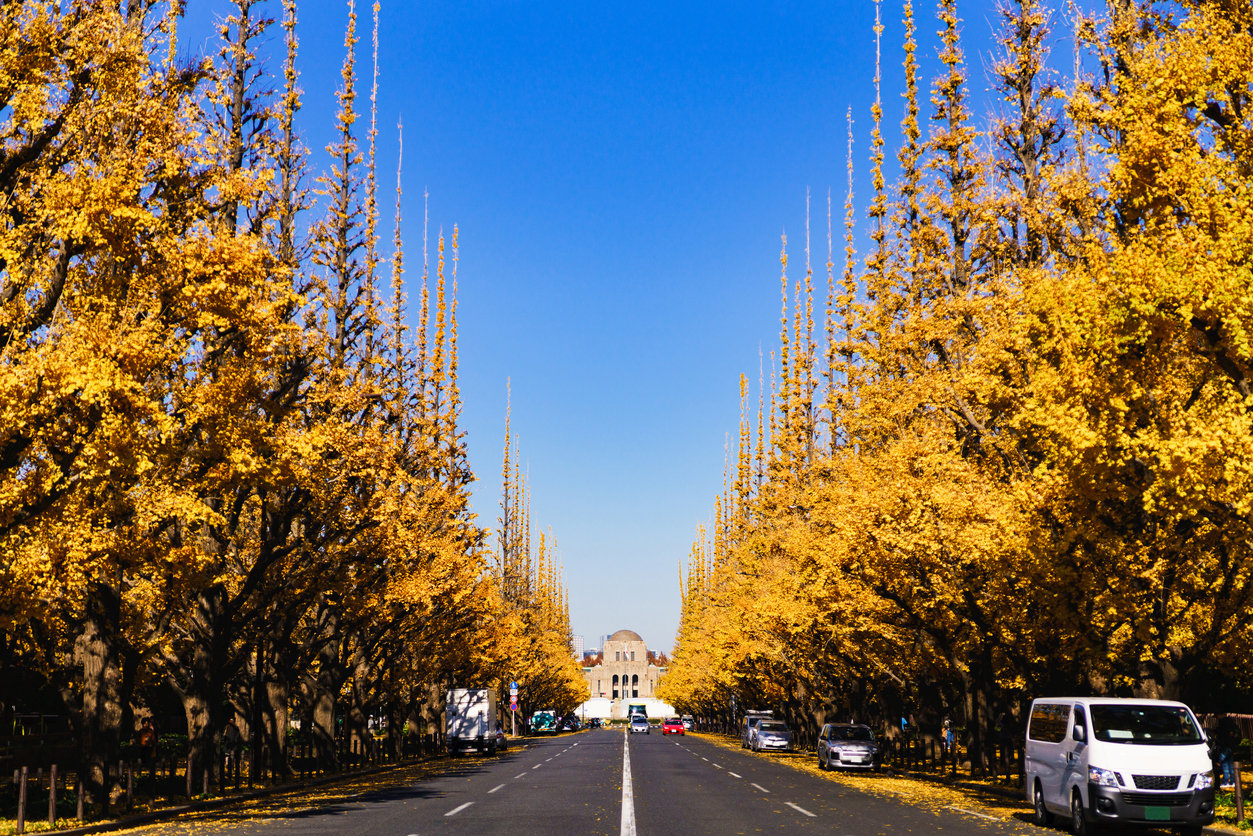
[513, 704]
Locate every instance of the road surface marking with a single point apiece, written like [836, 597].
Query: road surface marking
[800, 809]
[493, 789]
[537, 766]
[516, 777]
[734, 774]
[455, 810]
[972, 812]
[760, 787]
[717, 767]
[628, 798]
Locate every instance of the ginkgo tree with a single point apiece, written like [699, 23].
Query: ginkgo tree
[1034, 439]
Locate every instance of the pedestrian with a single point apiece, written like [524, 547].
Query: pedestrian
[146, 740]
[1227, 737]
[232, 742]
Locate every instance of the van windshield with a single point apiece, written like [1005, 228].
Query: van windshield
[1157, 725]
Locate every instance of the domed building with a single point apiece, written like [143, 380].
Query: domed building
[623, 673]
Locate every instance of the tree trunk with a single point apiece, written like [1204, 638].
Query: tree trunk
[100, 720]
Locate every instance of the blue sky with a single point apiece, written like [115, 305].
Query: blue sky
[621, 175]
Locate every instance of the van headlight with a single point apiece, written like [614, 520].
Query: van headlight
[1204, 780]
[1102, 777]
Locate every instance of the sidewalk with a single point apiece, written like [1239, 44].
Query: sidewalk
[136, 820]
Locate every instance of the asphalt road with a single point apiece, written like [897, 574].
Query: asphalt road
[578, 784]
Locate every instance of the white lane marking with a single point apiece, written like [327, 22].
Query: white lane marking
[548, 760]
[717, 767]
[493, 789]
[800, 809]
[516, 777]
[628, 797]
[455, 810]
[972, 812]
[734, 774]
[705, 759]
[760, 787]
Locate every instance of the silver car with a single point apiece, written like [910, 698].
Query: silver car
[773, 735]
[847, 744]
[639, 723]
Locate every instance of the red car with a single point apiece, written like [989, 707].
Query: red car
[672, 725]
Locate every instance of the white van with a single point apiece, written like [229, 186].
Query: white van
[1127, 761]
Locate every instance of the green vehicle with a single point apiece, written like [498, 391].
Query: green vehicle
[544, 722]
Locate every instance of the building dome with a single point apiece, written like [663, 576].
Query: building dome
[625, 636]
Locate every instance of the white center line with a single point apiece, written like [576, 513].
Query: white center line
[760, 787]
[493, 789]
[800, 809]
[705, 759]
[537, 766]
[717, 767]
[455, 810]
[516, 777]
[734, 774]
[628, 798]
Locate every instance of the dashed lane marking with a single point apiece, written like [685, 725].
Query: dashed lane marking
[760, 787]
[734, 774]
[455, 810]
[800, 809]
[972, 812]
[493, 789]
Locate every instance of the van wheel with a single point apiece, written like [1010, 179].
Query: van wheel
[1078, 819]
[821, 765]
[1040, 816]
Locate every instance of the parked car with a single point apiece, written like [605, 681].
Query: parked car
[1102, 760]
[639, 723]
[773, 735]
[672, 725]
[689, 724]
[748, 734]
[847, 744]
[593, 723]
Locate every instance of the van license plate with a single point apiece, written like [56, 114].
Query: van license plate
[1157, 813]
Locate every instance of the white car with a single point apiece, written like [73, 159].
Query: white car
[1105, 760]
[847, 745]
[639, 723]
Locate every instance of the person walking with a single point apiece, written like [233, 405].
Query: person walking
[1227, 737]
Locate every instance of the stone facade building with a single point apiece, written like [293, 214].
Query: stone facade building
[623, 672]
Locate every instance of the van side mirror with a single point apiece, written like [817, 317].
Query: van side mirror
[1079, 733]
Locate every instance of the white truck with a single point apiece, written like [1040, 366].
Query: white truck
[471, 716]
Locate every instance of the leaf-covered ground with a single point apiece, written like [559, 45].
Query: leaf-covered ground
[978, 798]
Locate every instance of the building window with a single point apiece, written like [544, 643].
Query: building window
[632, 655]
[615, 693]
[617, 655]
[635, 693]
